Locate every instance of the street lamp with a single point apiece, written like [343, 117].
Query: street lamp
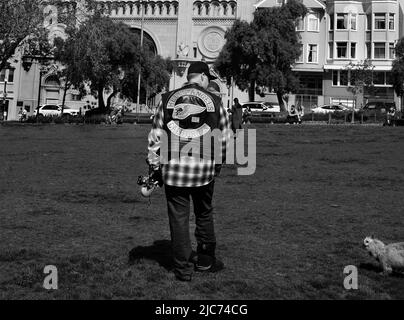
[27, 62]
[42, 71]
[140, 66]
[4, 101]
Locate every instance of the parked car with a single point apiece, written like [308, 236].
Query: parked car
[263, 111]
[330, 108]
[377, 110]
[53, 110]
[48, 110]
[97, 112]
[380, 107]
[69, 111]
[258, 108]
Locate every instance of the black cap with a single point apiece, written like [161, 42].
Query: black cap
[201, 67]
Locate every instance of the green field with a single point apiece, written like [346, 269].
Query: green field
[69, 198]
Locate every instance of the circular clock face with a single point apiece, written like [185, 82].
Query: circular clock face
[211, 42]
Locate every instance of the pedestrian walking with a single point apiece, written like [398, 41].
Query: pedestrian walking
[191, 111]
[236, 116]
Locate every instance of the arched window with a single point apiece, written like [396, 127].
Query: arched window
[225, 9]
[52, 81]
[233, 9]
[207, 9]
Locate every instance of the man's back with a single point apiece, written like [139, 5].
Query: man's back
[184, 113]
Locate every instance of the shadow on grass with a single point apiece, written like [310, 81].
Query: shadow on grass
[370, 267]
[160, 252]
[377, 269]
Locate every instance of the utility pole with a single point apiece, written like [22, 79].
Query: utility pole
[39, 90]
[5, 100]
[140, 66]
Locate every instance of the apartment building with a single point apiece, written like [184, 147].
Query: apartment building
[335, 33]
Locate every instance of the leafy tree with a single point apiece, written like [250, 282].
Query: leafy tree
[239, 56]
[156, 73]
[97, 54]
[106, 57]
[361, 80]
[260, 54]
[398, 69]
[21, 24]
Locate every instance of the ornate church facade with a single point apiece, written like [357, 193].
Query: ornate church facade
[186, 31]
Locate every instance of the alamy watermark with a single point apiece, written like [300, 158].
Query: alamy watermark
[241, 148]
[351, 278]
[51, 281]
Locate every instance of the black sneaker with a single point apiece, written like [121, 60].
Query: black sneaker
[214, 266]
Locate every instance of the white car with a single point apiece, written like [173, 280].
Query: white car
[70, 111]
[329, 108]
[48, 110]
[259, 108]
[53, 110]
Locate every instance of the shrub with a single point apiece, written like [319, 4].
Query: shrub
[45, 119]
[76, 120]
[60, 120]
[31, 119]
[95, 119]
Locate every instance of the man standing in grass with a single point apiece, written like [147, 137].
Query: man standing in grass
[188, 115]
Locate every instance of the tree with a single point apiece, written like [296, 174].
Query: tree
[97, 54]
[106, 57]
[239, 56]
[360, 79]
[22, 24]
[156, 73]
[261, 54]
[398, 70]
[68, 73]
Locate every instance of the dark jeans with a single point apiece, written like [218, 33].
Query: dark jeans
[178, 201]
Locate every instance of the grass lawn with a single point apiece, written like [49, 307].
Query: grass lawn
[69, 198]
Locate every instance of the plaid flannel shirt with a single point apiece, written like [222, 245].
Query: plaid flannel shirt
[185, 171]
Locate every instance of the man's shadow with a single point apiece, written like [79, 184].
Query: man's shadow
[160, 252]
[378, 269]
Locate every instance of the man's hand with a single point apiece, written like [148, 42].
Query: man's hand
[156, 175]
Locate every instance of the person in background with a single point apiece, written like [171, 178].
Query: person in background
[247, 115]
[390, 116]
[292, 116]
[236, 116]
[300, 113]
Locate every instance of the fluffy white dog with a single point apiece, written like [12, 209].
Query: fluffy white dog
[391, 256]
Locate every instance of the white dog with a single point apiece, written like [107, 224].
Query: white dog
[391, 256]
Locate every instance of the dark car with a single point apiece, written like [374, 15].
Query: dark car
[377, 110]
[96, 115]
